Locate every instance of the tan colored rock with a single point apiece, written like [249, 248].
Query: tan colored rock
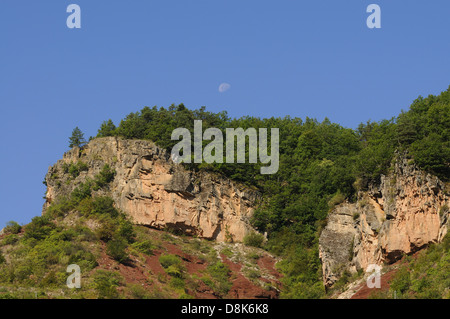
[413, 220]
[336, 242]
[400, 216]
[155, 192]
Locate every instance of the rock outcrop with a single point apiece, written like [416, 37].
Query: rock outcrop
[158, 193]
[405, 213]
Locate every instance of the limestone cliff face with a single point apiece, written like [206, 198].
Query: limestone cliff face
[406, 212]
[156, 192]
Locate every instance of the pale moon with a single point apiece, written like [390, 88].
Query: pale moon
[224, 87]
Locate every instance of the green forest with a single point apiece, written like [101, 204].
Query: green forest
[321, 165]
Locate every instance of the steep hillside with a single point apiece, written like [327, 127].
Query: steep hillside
[119, 260]
[421, 275]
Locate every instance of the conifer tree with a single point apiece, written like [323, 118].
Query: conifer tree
[77, 138]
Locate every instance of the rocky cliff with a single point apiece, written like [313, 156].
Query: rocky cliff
[406, 212]
[157, 193]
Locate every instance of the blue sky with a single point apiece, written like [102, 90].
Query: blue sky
[299, 58]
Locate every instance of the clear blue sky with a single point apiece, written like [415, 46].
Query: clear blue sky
[299, 58]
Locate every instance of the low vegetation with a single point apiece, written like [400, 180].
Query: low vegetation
[424, 277]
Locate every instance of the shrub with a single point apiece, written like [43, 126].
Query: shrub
[253, 256]
[81, 192]
[169, 260]
[105, 177]
[39, 228]
[85, 234]
[177, 283]
[174, 271]
[254, 239]
[83, 258]
[76, 169]
[116, 249]
[106, 283]
[50, 280]
[10, 239]
[221, 275]
[22, 272]
[12, 228]
[107, 229]
[145, 247]
[138, 292]
[401, 281]
[126, 230]
[104, 205]
[337, 199]
[60, 207]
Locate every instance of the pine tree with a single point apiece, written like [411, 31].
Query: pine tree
[77, 138]
[107, 129]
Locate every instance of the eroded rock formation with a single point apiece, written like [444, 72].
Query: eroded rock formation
[406, 212]
[155, 192]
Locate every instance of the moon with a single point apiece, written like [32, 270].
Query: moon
[224, 87]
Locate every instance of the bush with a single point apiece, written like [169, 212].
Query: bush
[12, 228]
[138, 292]
[145, 247]
[107, 230]
[169, 260]
[221, 275]
[76, 169]
[105, 177]
[85, 234]
[81, 192]
[174, 271]
[116, 249]
[39, 228]
[106, 283]
[401, 281]
[10, 239]
[254, 239]
[50, 280]
[172, 265]
[104, 205]
[59, 208]
[83, 258]
[126, 230]
[337, 199]
[177, 283]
